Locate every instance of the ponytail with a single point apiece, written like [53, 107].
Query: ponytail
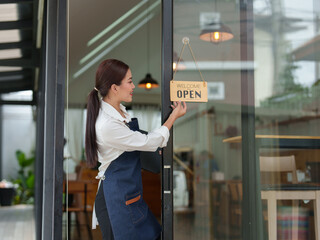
[110, 71]
[91, 147]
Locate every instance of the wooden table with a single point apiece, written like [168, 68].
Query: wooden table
[288, 142]
[282, 141]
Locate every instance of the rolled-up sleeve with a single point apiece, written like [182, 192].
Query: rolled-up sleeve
[118, 135]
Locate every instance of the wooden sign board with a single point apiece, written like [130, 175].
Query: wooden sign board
[188, 91]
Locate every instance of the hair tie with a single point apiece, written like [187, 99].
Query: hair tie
[96, 89]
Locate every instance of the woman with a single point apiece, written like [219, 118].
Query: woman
[114, 140]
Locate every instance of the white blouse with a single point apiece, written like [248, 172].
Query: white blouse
[114, 137]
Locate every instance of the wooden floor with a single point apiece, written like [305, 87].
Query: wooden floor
[74, 234]
[17, 222]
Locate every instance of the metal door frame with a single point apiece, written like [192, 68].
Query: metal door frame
[167, 153]
[53, 118]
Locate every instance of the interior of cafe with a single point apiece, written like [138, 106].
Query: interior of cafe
[207, 162]
[208, 157]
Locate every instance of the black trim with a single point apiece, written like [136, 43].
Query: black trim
[54, 119]
[17, 74]
[252, 228]
[15, 86]
[18, 62]
[13, 25]
[4, 102]
[1, 141]
[60, 95]
[13, 45]
[15, 1]
[167, 154]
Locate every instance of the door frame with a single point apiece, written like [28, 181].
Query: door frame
[167, 153]
[252, 225]
[52, 111]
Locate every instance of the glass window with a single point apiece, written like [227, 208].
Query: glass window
[208, 144]
[207, 172]
[287, 111]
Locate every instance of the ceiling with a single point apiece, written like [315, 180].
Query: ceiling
[132, 34]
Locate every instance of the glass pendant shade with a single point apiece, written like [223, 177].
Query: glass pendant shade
[148, 82]
[216, 33]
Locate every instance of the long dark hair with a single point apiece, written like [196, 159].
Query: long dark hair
[109, 72]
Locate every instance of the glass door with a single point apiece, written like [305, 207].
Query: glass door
[261, 62]
[207, 171]
[216, 183]
[100, 30]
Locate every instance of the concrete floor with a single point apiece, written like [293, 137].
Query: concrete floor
[17, 222]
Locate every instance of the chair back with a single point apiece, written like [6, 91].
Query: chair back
[81, 191]
[89, 176]
[235, 189]
[279, 164]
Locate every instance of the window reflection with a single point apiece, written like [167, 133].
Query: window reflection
[287, 87]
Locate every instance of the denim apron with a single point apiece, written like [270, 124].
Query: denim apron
[129, 215]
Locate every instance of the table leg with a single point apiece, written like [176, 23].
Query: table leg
[272, 216]
[295, 214]
[316, 209]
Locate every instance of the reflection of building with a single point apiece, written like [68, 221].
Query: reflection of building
[309, 51]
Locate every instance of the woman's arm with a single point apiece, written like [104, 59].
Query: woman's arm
[179, 109]
[117, 135]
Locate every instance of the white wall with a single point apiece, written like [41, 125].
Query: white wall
[18, 132]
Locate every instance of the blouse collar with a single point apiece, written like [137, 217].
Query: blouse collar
[112, 112]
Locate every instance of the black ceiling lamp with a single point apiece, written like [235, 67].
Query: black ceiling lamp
[213, 30]
[148, 82]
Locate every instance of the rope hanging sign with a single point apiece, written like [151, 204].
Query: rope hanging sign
[188, 91]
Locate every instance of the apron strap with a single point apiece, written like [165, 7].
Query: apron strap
[94, 216]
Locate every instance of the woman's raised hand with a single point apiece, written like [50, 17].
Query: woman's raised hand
[179, 109]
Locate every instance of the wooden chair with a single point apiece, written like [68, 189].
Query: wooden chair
[229, 209]
[80, 202]
[235, 189]
[152, 192]
[272, 195]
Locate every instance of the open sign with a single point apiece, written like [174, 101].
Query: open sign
[188, 91]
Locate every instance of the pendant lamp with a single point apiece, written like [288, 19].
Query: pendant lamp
[148, 82]
[216, 33]
[213, 30]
